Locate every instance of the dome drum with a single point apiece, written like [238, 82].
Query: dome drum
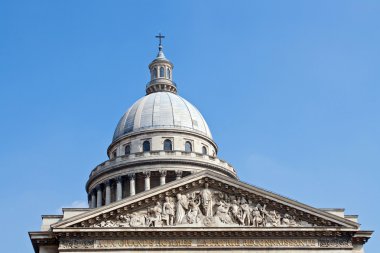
[133, 142]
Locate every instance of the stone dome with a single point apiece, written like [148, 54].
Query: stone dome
[161, 110]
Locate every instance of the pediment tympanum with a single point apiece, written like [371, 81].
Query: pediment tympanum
[207, 200]
[204, 207]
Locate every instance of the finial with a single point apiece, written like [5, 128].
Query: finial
[160, 52]
[160, 37]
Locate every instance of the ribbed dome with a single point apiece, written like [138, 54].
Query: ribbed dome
[161, 110]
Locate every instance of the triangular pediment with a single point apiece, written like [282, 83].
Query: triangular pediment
[205, 199]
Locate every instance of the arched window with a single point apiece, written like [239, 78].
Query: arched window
[168, 74]
[204, 150]
[162, 72]
[155, 73]
[188, 147]
[114, 154]
[127, 149]
[146, 146]
[168, 145]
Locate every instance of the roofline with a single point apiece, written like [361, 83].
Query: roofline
[333, 209]
[51, 216]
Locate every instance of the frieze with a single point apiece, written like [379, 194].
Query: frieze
[204, 243]
[203, 207]
[335, 243]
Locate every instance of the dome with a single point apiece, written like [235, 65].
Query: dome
[161, 110]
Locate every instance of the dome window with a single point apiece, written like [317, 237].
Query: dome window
[114, 154]
[155, 73]
[127, 149]
[168, 146]
[188, 147]
[146, 146]
[204, 150]
[168, 74]
[162, 72]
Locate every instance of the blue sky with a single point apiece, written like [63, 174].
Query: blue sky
[290, 90]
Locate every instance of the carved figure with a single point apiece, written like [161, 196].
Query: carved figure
[235, 212]
[257, 219]
[245, 212]
[264, 214]
[137, 220]
[272, 219]
[124, 220]
[222, 212]
[154, 215]
[181, 207]
[289, 221]
[206, 197]
[106, 224]
[168, 212]
[193, 215]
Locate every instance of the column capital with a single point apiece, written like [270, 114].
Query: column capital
[146, 173]
[119, 179]
[132, 176]
[163, 173]
[98, 187]
[178, 173]
[107, 182]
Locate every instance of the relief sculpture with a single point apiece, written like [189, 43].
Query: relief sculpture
[205, 208]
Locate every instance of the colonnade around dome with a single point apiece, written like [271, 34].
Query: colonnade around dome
[125, 186]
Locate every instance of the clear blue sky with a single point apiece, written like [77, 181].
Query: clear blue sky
[290, 90]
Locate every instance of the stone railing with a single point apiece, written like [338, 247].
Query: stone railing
[160, 154]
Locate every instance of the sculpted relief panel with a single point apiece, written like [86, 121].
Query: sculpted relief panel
[204, 208]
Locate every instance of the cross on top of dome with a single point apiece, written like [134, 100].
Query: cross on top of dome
[160, 54]
[160, 37]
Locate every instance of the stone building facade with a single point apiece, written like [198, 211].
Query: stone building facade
[165, 189]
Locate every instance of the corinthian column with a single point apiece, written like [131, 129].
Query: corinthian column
[178, 174]
[93, 199]
[99, 194]
[162, 177]
[147, 180]
[108, 192]
[132, 187]
[119, 188]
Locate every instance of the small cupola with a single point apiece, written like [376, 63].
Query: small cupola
[161, 72]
